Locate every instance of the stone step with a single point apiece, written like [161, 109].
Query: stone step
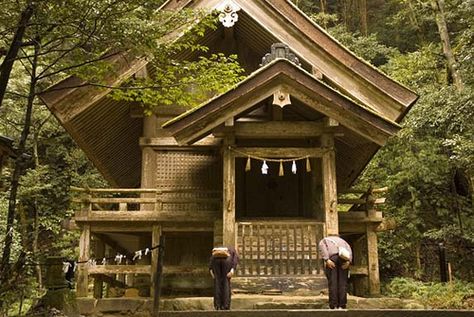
[322, 313]
[262, 306]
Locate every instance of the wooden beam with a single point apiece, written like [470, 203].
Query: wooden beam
[359, 217]
[170, 142]
[103, 278]
[228, 210]
[279, 130]
[278, 152]
[147, 216]
[84, 255]
[120, 269]
[329, 185]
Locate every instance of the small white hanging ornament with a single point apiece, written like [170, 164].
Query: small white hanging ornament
[138, 254]
[293, 167]
[118, 258]
[66, 266]
[264, 168]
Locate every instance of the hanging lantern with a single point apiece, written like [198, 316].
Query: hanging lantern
[293, 167]
[247, 166]
[281, 172]
[264, 168]
[308, 165]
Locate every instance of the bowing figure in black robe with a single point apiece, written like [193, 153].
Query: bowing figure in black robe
[222, 266]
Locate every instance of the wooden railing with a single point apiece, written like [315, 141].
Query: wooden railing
[143, 199]
[355, 200]
[279, 247]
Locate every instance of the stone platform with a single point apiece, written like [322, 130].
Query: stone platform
[261, 306]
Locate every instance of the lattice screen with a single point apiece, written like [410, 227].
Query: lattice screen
[193, 176]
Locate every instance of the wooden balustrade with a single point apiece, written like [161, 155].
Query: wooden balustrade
[146, 200]
[279, 247]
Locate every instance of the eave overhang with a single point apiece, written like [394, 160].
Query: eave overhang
[281, 74]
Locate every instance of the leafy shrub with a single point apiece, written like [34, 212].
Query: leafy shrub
[454, 295]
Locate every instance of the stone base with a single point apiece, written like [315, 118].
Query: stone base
[289, 285]
[141, 307]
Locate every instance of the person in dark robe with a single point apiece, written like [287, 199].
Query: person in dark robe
[337, 256]
[222, 266]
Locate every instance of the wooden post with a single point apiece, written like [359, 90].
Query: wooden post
[373, 261]
[155, 240]
[329, 184]
[84, 255]
[228, 210]
[359, 250]
[157, 277]
[99, 253]
[148, 178]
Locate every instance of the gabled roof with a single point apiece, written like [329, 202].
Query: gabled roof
[281, 74]
[282, 20]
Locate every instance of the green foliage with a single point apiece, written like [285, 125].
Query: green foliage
[453, 295]
[184, 83]
[419, 70]
[365, 47]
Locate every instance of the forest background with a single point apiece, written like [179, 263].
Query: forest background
[426, 45]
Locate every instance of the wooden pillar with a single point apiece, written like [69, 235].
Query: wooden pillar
[373, 261]
[329, 184]
[155, 240]
[359, 250]
[84, 255]
[99, 254]
[148, 172]
[228, 200]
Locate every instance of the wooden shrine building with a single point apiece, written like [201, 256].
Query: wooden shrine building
[261, 167]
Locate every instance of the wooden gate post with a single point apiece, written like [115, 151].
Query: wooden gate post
[84, 254]
[329, 185]
[228, 201]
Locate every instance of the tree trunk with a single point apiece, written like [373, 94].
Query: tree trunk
[16, 44]
[414, 22]
[438, 7]
[18, 171]
[324, 6]
[364, 29]
[34, 247]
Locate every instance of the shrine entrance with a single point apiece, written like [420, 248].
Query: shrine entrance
[277, 228]
[272, 195]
